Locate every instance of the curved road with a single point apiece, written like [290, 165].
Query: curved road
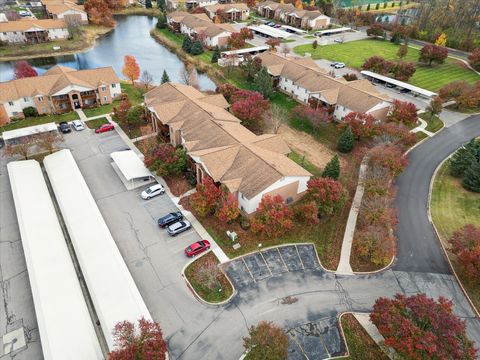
[418, 247]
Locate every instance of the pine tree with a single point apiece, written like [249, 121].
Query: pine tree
[148, 4]
[187, 44]
[197, 48]
[161, 4]
[332, 169]
[471, 180]
[263, 83]
[368, 7]
[161, 21]
[346, 141]
[215, 55]
[165, 77]
[462, 159]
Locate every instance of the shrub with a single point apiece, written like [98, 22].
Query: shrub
[346, 141]
[327, 193]
[30, 111]
[332, 169]
[466, 246]
[197, 48]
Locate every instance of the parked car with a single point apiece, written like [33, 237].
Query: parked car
[340, 41]
[178, 227]
[77, 125]
[64, 127]
[170, 218]
[339, 65]
[277, 26]
[152, 191]
[270, 23]
[334, 63]
[197, 248]
[104, 128]
[405, 91]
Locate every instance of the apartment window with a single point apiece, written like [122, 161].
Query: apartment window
[43, 109]
[15, 113]
[344, 108]
[114, 85]
[104, 88]
[4, 33]
[25, 99]
[40, 98]
[105, 98]
[10, 103]
[243, 197]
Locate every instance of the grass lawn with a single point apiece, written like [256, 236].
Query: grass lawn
[326, 134]
[38, 120]
[434, 123]
[221, 291]
[452, 207]
[93, 124]
[356, 52]
[360, 344]
[307, 165]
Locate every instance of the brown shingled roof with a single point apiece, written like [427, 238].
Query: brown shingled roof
[26, 24]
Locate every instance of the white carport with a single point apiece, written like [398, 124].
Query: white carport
[12, 136]
[269, 31]
[65, 326]
[114, 294]
[130, 169]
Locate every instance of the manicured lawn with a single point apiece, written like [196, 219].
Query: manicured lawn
[38, 120]
[434, 122]
[356, 52]
[303, 162]
[93, 124]
[221, 291]
[176, 38]
[360, 344]
[452, 207]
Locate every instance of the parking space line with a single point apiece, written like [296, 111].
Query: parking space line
[251, 275]
[283, 261]
[303, 266]
[265, 261]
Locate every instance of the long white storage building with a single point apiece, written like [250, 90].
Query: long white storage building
[65, 326]
[114, 293]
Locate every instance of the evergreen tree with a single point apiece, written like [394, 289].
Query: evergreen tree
[161, 5]
[332, 169]
[471, 180]
[197, 48]
[263, 83]
[187, 44]
[162, 21]
[215, 55]
[368, 7]
[148, 4]
[165, 77]
[346, 141]
[462, 159]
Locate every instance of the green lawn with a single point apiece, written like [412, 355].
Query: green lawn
[434, 123]
[93, 124]
[307, 165]
[356, 52]
[38, 120]
[452, 207]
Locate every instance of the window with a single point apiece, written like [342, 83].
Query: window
[10, 103]
[40, 98]
[105, 98]
[104, 88]
[25, 99]
[43, 109]
[15, 113]
[114, 85]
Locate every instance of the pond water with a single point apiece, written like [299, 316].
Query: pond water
[130, 37]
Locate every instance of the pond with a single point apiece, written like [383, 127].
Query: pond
[130, 37]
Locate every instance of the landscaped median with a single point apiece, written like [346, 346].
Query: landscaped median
[207, 280]
[39, 120]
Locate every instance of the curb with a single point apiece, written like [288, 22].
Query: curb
[445, 253]
[189, 285]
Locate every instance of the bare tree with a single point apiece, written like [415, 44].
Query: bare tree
[208, 274]
[285, 49]
[49, 141]
[188, 76]
[146, 79]
[21, 147]
[73, 25]
[276, 117]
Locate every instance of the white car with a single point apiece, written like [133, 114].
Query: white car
[152, 191]
[77, 125]
[339, 65]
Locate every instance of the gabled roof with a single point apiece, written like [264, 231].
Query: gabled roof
[230, 153]
[26, 24]
[227, 7]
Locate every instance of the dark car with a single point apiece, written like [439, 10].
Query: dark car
[64, 127]
[170, 219]
[178, 227]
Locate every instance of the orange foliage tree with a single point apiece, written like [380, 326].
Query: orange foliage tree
[273, 217]
[130, 69]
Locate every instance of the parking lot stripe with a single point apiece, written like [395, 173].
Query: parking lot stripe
[265, 261]
[283, 261]
[303, 266]
[248, 270]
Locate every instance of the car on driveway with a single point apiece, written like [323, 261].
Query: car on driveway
[178, 227]
[197, 248]
[64, 127]
[152, 191]
[340, 41]
[270, 23]
[77, 125]
[104, 128]
[170, 218]
[339, 65]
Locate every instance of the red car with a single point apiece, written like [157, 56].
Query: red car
[104, 128]
[197, 248]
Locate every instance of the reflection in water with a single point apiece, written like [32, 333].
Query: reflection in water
[131, 36]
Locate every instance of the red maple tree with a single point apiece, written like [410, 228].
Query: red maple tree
[249, 106]
[23, 70]
[403, 112]
[236, 41]
[363, 125]
[130, 69]
[389, 157]
[327, 193]
[433, 53]
[273, 217]
[144, 341]
[99, 13]
[205, 200]
[227, 208]
[418, 327]
[474, 59]
[378, 65]
[466, 246]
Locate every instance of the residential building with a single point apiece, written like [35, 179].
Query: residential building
[189, 4]
[306, 82]
[58, 90]
[65, 9]
[228, 12]
[303, 19]
[199, 26]
[33, 31]
[219, 146]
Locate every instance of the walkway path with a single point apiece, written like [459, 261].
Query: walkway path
[422, 128]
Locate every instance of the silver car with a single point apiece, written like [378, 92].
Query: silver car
[178, 227]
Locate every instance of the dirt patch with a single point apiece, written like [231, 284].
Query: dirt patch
[303, 143]
[178, 184]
